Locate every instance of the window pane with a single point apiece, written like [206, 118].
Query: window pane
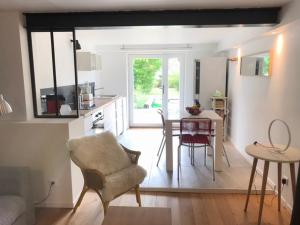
[65, 73]
[43, 71]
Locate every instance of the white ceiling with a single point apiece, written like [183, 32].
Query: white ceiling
[166, 35]
[97, 5]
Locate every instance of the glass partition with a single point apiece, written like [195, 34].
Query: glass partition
[54, 75]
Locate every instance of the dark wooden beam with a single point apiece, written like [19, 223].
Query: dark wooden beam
[201, 18]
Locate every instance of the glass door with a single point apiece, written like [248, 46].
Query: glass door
[146, 90]
[155, 83]
[174, 97]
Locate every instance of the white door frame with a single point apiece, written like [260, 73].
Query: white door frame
[164, 57]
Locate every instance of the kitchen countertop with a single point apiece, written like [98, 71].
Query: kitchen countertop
[99, 103]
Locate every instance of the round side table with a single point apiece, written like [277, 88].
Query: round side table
[291, 156]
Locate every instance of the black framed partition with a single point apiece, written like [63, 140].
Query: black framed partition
[52, 54]
[49, 60]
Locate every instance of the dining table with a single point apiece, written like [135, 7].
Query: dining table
[217, 122]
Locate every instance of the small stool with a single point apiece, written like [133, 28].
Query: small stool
[291, 156]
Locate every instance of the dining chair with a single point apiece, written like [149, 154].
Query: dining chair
[224, 152]
[175, 133]
[195, 133]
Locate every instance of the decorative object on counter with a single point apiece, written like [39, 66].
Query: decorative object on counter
[272, 147]
[54, 104]
[5, 108]
[65, 110]
[218, 94]
[195, 109]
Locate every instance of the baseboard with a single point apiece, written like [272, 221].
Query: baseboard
[197, 190]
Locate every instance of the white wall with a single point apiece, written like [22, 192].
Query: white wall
[14, 70]
[212, 78]
[41, 147]
[255, 101]
[114, 73]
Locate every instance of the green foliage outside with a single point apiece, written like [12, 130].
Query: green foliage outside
[174, 81]
[266, 65]
[144, 74]
[145, 71]
[148, 83]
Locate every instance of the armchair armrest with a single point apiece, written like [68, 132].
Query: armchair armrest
[93, 178]
[133, 155]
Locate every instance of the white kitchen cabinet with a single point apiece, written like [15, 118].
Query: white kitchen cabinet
[88, 125]
[87, 61]
[110, 122]
[119, 116]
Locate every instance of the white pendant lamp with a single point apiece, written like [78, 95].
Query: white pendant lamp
[4, 106]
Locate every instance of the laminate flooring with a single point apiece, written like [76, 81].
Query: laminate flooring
[198, 178]
[187, 209]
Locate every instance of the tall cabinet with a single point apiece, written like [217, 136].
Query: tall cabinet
[219, 105]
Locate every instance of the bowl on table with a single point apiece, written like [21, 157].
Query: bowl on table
[193, 110]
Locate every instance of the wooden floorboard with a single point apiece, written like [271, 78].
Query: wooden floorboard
[198, 178]
[187, 209]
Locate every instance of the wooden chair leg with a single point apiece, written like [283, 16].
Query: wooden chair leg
[138, 195]
[213, 163]
[84, 190]
[205, 155]
[105, 207]
[251, 182]
[161, 151]
[104, 203]
[178, 161]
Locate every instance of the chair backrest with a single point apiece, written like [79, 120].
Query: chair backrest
[161, 113]
[100, 152]
[196, 126]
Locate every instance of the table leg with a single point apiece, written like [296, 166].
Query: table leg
[279, 185]
[293, 178]
[169, 146]
[251, 182]
[263, 191]
[218, 146]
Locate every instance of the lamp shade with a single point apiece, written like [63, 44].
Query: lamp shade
[4, 106]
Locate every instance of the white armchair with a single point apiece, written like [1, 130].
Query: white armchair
[107, 167]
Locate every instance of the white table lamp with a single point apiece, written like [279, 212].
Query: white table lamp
[4, 106]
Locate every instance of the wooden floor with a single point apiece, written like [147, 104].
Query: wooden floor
[198, 178]
[187, 209]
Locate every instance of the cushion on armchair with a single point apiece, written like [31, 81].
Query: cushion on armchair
[100, 152]
[122, 181]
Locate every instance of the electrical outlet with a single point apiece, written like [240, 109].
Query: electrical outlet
[284, 180]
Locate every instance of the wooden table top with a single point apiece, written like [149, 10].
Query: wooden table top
[118, 215]
[204, 114]
[289, 156]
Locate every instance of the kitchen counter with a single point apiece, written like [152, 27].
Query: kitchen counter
[99, 103]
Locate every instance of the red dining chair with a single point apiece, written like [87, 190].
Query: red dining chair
[163, 140]
[195, 133]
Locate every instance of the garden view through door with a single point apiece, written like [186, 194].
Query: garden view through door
[156, 85]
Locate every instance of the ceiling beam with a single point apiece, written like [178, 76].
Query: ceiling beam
[200, 18]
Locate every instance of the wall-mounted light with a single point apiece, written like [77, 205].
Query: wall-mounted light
[279, 44]
[77, 45]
